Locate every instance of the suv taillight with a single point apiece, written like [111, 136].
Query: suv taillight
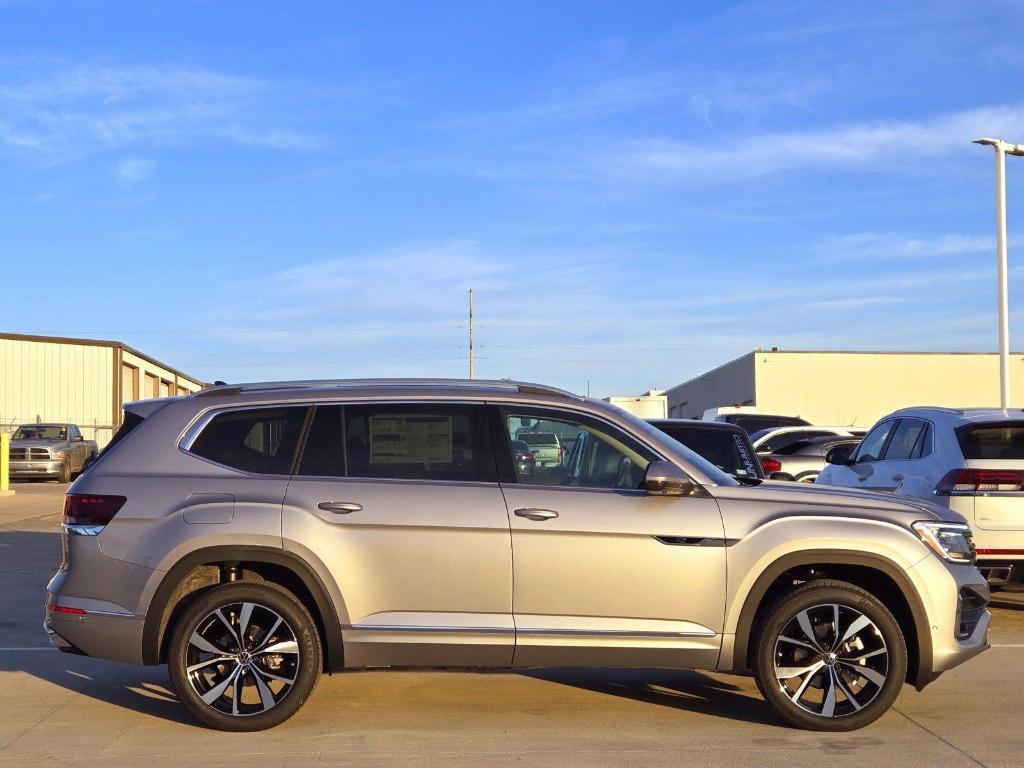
[91, 509]
[981, 481]
[771, 465]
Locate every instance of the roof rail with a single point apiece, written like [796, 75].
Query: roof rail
[272, 386]
[943, 408]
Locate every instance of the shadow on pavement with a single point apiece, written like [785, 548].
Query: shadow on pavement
[145, 690]
[678, 689]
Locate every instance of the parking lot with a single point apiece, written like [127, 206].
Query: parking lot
[67, 709]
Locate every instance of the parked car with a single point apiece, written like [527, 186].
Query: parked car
[750, 419]
[546, 447]
[970, 460]
[724, 445]
[802, 461]
[523, 457]
[53, 451]
[253, 536]
[776, 438]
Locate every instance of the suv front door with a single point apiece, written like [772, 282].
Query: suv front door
[604, 573]
[401, 505]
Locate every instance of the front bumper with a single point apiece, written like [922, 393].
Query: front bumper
[953, 638]
[36, 468]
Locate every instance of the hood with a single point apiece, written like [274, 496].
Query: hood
[38, 443]
[827, 498]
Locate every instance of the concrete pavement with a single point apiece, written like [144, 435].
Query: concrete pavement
[62, 709]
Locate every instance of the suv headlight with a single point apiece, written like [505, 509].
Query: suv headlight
[950, 541]
[56, 454]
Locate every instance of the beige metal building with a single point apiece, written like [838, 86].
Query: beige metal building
[652, 404]
[847, 388]
[83, 381]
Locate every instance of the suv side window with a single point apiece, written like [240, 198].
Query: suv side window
[442, 441]
[905, 439]
[871, 447]
[261, 441]
[601, 456]
[923, 447]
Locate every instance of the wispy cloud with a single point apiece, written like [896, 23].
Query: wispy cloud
[897, 247]
[132, 170]
[75, 110]
[870, 144]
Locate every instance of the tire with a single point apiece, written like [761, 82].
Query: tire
[828, 693]
[257, 690]
[65, 472]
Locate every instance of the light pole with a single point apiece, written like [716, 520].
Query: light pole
[1002, 148]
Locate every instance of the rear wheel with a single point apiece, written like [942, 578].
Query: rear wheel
[830, 657]
[244, 657]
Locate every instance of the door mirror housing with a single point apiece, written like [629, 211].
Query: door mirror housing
[841, 454]
[77, 439]
[663, 478]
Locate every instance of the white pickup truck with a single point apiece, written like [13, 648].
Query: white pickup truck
[54, 451]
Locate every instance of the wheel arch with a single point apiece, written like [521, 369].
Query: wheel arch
[173, 594]
[870, 571]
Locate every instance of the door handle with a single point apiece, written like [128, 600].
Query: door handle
[532, 513]
[339, 507]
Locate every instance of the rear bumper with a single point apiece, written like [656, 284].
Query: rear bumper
[117, 637]
[35, 468]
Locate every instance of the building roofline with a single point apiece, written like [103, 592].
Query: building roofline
[99, 343]
[860, 352]
[708, 373]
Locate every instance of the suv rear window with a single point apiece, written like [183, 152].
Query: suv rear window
[534, 439]
[727, 449]
[1001, 440]
[754, 422]
[261, 440]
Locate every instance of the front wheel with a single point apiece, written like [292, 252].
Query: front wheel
[244, 657]
[64, 476]
[830, 657]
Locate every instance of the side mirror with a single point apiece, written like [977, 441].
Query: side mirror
[840, 455]
[77, 439]
[663, 478]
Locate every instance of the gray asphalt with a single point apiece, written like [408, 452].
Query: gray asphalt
[59, 709]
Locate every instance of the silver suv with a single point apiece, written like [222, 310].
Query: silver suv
[254, 536]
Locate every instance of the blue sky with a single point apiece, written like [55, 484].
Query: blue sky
[636, 191]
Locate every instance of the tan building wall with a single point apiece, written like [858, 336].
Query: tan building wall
[48, 381]
[849, 388]
[729, 384]
[84, 382]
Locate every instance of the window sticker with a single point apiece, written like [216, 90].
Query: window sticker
[748, 463]
[410, 439]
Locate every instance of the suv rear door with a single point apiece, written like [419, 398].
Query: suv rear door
[400, 504]
[606, 574]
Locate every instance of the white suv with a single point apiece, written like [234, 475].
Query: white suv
[971, 460]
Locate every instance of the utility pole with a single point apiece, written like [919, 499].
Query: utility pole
[471, 371]
[1002, 149]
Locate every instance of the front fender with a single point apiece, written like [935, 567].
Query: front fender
[769, 551]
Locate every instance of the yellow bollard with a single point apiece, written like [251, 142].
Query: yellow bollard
[5, 465]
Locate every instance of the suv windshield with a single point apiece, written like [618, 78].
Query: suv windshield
[42, 432]
[1000, 440]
